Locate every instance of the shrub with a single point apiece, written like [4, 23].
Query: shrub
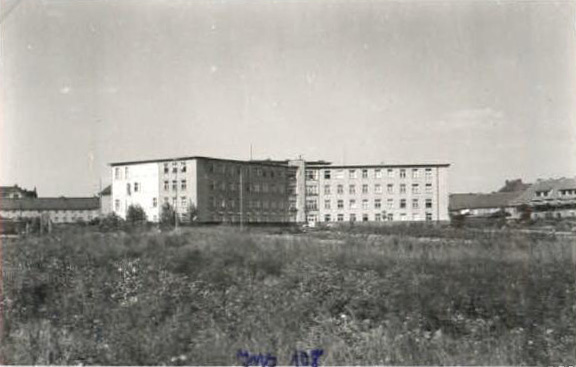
[135, 215]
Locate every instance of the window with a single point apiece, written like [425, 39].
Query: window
[154, 202]
[378, 188]
[265, 188]
[415, 189]
[311, 204]
[326, 204]
[352, 173]
[402, 203]
[352, 204]
[210, 168]
[174, 167]
[415, 204]
[166, 168]
[183, 201]
[327, 189]
[377, 217]
[390, 203]
[352, 189]
[378, 173]
[428, 173]
[340, 189]
[340, 218]
[166, 185]
[428, 188]
[117, 173]
[403, 216]
[128, 191]
[390, 188]
[402, 188]
[311, 190]
[174, 185]
[340, 204]
[183, 184]
[212, 185]
[352, 217]
[182, 166]
[428, 216]
[390, 173]
[364, 173]
[327, 174]
[364, 189]
[365, 204]
[327, 218]
[340, 173]
[136, 186]
[428, 203]
[402, 173]
[364, 217]
[377, 203]
[311, 174]
[415, 173]
[390, 216]
[256, 188]
[126, 173]
[117, 205]
[174, 201]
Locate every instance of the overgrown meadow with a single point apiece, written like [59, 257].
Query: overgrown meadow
[198, 296]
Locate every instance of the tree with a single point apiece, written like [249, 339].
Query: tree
[135, 215]
[167, 215]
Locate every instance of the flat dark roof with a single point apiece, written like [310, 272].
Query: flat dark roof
[59, 203]
[163, 160]
[354, 166]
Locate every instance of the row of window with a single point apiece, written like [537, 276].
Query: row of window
[378, 217]
[118, 173]
[231, 169]
[378, 189]
[248, 204]
[328, 174]
[183, 185]
[312, 204]
[263, 187]
[173, 167]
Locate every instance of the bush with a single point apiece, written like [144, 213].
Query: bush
[135, 215]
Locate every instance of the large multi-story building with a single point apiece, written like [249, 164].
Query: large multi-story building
[376, 192]
[217, 190]
[222, 190]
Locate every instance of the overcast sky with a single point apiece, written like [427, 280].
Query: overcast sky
[487, 86]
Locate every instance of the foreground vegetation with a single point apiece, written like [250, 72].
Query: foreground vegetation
[198, 296]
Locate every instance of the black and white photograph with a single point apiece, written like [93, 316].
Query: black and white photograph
[296, 183]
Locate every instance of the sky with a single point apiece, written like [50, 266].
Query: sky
[487, 86]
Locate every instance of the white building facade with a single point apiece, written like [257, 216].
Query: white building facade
[375, 193]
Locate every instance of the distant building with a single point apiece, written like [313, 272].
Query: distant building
[106, 200]
[485, 205]
[16, 192]
[374, 193]
[220, 190]
[225, 190]
[59, 210]
[553, 198]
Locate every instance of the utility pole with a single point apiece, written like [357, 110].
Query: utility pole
[175, 164]
[241, 199]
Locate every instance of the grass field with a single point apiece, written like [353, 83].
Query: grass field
[198, 296]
